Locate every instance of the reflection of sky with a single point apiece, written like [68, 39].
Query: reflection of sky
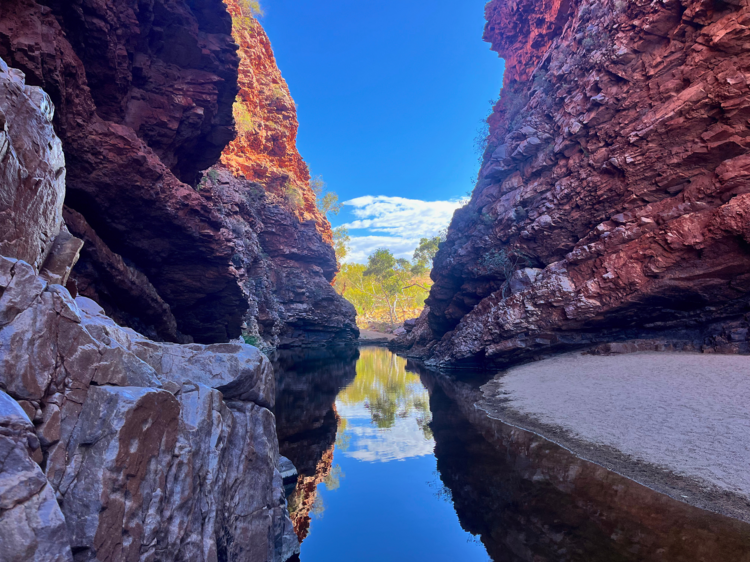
[371, 444]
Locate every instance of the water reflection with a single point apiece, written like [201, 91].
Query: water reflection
[396, 464]
[531, 500]
[369, 488]
[385, 411]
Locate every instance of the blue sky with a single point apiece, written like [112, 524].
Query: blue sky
[391, 95]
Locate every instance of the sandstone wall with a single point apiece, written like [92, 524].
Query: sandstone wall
[614, 195]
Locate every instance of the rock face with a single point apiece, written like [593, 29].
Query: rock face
[613, 199]
[173, 446]
[32, 170]
[144, 99]
[284, 266]
[112, 446]
[265, 148]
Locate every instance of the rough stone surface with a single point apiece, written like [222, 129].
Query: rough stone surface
[284, 266]
[265, 150]
[143, 97]
[32, 527]
[617, 164]
[153, 450]
[32, 170]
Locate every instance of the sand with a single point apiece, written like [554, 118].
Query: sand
[687, 414]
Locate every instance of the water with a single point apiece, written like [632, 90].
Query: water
[395, 464]
[375, 494]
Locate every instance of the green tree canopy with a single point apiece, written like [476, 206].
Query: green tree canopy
[341, 241]
[426, 251]
[326, 201]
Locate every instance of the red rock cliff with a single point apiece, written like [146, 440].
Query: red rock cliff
[614, 196]
[143, 95]
[265, 148]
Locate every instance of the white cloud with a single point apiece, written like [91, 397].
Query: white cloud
[395, 223]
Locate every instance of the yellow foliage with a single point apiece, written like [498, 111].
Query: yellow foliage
[242, 118]
[366, 294]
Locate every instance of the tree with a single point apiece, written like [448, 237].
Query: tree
[425, 253]
[341, 242]
[326, 201]
[391, 276]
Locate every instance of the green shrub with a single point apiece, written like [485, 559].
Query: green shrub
[251, 340]
[242, 118]
[293, 196]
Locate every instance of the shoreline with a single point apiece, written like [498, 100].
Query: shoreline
[494, 400]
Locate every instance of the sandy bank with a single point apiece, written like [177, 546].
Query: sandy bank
[679, 423]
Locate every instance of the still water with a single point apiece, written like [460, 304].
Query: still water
[396, 464]
[376, 494]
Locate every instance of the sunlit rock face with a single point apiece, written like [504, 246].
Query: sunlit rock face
[265, 148]
[147, 449]
[613, 198]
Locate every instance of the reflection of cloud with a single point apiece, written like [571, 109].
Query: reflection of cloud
[395, 223]
[369, 443]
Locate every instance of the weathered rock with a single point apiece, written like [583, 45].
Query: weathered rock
[143, 97]
[285, 267]
[32, 170]
[32, 527]
[136, 436]
[265, 149]
[617, 163]
[125, 293]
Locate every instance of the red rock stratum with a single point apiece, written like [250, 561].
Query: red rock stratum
[614, 196]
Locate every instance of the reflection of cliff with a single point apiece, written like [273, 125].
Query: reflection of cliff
[304, 500]
[307, 384]
[531, 500]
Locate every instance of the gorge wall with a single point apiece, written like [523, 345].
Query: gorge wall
[112, 446]
[612, 204]
[144, 95]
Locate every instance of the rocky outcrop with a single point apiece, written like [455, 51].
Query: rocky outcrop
[613, 199]
[151, 449]
[283, 265]
[144, 99]
[32, 170]
[113, 446]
